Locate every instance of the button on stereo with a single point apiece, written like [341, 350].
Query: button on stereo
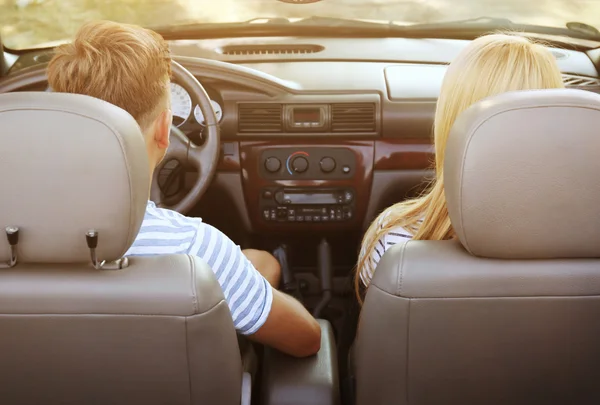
[313, 214]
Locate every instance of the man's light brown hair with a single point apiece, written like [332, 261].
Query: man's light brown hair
[126, 65]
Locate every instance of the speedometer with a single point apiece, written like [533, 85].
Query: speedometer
[216, 108]
[181, 104]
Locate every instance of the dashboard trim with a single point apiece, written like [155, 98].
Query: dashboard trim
[404, 154]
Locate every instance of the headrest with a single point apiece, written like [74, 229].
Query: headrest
[522, 175]
[69, 163]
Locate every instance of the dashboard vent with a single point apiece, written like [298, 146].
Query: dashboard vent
[579, 81]
[270, 49]
[353, 117]
[260, 118]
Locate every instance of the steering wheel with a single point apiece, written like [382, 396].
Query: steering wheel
[203, 158]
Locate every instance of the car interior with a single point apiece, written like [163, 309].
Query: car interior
[291, 136]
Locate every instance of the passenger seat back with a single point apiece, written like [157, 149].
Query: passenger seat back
[509, 312]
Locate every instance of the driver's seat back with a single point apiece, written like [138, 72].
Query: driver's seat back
[157, 331]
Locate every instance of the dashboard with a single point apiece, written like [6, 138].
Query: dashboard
[317, 134]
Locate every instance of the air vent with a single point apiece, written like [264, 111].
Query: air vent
[353, 117]
[260, 118]
[270, 49]
[579, 81]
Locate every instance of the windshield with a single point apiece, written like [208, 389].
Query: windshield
[36, 23]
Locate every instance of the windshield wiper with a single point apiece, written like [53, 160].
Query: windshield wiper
[334, 27]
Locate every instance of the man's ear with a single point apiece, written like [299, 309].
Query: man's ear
[163, 129]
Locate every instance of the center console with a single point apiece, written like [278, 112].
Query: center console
[296, 186]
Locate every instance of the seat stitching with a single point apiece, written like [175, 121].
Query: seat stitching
[187, 353]
[193, 283]
[407, 349]
[400, 279]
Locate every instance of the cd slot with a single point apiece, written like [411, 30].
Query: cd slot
[313, 197]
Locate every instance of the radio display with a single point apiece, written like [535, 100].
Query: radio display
[310, 115]
[310, 198]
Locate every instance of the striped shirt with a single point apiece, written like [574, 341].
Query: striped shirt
[386, 241]
[246, 291]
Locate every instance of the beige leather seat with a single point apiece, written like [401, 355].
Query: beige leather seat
[510, 313]
[157, 331]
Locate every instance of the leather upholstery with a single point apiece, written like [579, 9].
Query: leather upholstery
[69, 163]
[156, 332]
[312, 380]
[442, 326]
[521, 175]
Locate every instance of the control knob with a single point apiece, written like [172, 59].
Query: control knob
[300, 164]
[272, 164]
[327, 164]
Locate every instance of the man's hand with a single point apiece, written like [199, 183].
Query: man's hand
[289, 328]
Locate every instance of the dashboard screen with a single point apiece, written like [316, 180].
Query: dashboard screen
[310, 198]
[301, 115]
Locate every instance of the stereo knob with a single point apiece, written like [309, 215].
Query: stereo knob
[300, 164]
[327, 164]
[272, 164]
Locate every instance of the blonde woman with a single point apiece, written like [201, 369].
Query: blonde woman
[490, 65]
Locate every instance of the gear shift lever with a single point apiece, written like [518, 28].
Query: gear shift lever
[289, 282]
[326, 275]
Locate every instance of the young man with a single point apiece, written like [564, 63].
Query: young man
[130, 67]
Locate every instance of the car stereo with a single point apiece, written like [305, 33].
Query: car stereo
[307, 204]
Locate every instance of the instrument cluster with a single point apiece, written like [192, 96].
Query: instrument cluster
[181, 106]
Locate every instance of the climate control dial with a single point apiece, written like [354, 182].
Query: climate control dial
[327, 164]
[299, 164]
[272, 164]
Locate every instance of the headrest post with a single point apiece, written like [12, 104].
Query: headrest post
[91, 238]
[12, 234]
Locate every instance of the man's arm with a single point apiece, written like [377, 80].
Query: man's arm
[289, 328]
[262, 313]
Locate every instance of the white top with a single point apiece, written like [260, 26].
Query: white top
[248, 294]
[389, 239]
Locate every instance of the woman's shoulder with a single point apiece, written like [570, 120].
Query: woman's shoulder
[392, 237]
[397, 233]
[387, 236]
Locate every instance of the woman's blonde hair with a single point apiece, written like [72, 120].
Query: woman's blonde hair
[490, 65]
